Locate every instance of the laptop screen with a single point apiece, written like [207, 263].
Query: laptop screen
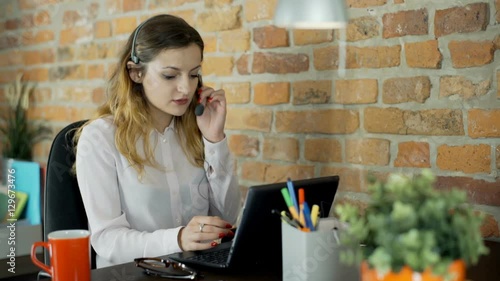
[257, 243]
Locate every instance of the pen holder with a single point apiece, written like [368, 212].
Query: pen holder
[313, 256]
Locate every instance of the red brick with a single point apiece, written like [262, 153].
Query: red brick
[442, 122]
[188, 15]
[37, 37]
[362, 28]
[283, 149]
[470, 18]
[73, 94]
[98, 95]
[326, 58]
[271, 93]
[408, 89]
[133, 5]
[234, 41]
[350, 178]
[461, 86]
[270, 37]
[404, 23]
[489, 228]
[65, 54]
[479, 191]
[484, 123]
[469, 54]
[124, 25]
[95, 71]
[72, 18]
[356, 91]
[279, 63]
[220, 66]
[37, 74]
[237, 92]
[280, 173]
[323, 150]
[225, 18]
[41, 18]
[434, 122]
[243, 145]
[423, 54]
[76, 34]
[413, 154]
[93, 51]
[61, 113]
[114, 7]
[7, 76]
[384, 120]
[38, 57]
[466, 158]
[68, 72]
[315, 121]
[268, 173]
[312, 91]
[242, 65]
[9, 41]
[308, 36]
[11, 57]
[210, 44]
[258, 119]
[217, 3]
[368, 151]
[364, 3]
[256, 10]
[102, 29]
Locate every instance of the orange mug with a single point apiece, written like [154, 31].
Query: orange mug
[69, 255]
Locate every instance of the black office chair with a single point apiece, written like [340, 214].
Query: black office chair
[63, 207]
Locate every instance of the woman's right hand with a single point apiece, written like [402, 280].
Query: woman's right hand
[203, 232]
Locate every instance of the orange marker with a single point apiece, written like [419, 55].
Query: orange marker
[302, 199]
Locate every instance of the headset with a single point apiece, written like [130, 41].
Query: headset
[133, 55]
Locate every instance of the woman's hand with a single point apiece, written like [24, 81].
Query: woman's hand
[203, 232]
[211, 122]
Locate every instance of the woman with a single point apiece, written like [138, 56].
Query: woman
[154, 177]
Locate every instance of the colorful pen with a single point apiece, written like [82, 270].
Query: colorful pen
[289, 203]
[291, 222]
[302, 199]
[314, 215]
[307, 217]
[291, 191]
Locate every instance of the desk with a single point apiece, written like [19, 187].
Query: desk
[488, 269]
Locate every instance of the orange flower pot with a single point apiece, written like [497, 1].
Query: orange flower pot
[457, 269]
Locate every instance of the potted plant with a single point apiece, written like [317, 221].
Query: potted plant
[410, 229]
[19, 134]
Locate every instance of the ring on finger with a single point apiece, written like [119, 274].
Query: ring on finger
[201, 226]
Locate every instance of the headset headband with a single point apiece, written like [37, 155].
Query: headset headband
[133, 55]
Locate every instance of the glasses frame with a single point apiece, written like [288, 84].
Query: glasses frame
[149, 268]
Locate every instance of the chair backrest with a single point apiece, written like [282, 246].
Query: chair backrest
[63, 205]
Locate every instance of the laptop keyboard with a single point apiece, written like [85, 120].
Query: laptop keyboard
[214, 257]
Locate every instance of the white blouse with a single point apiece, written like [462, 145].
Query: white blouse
[131, 217]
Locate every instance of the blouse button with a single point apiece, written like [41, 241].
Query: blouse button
[164, 140]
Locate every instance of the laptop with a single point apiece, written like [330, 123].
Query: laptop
[257, 240]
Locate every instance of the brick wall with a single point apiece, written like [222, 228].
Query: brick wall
[410, 84]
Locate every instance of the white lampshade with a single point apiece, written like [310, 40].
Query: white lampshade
[311, 14]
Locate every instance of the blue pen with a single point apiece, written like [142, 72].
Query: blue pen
[307, 217]
[292, 194]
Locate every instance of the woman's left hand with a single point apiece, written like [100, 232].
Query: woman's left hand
[211, 122]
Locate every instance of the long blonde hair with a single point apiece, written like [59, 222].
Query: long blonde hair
[126, 102]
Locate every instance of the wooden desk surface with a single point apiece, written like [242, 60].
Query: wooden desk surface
[488, 269]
